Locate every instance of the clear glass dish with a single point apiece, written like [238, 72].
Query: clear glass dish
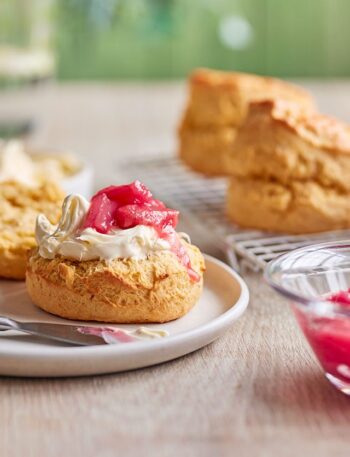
[308, 278]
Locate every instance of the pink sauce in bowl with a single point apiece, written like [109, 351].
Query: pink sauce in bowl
[315, 279]
[328, 333]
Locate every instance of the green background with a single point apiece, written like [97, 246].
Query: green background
[113, 39]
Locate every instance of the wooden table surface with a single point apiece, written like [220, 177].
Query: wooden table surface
[257, 391]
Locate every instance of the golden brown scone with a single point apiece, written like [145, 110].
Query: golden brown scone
[296, 207]
[281, 142]
[205, 149]
[19, 207]
[219, 98]
[155, 289]
[217, 106]
[290, 170]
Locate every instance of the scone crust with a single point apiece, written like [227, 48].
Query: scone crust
[155, 289]
[280, 142]
[204, 150]
[19, 207]
[298, 207]
[221, 98]
[13, 262]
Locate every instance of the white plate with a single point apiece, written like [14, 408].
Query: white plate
[224, 299]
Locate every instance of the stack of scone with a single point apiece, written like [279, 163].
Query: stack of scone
[290, 170]
[288, 166]
[217, 106]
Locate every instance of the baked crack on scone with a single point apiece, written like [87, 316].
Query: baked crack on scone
[19, 207]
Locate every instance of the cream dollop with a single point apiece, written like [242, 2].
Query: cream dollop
[70, 241]
[17, 165]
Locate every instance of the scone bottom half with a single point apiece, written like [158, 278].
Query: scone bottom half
[115, 259]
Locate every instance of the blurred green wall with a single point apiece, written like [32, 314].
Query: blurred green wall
[110, 39]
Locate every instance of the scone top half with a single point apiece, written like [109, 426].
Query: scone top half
[218, 98]
[281, 141]
[115, 259]
[216, 108]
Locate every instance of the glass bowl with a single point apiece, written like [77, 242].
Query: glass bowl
[312, 278]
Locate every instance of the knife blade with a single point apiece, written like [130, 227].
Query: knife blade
[66, 333]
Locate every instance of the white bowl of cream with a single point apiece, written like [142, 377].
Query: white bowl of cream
[33, 167]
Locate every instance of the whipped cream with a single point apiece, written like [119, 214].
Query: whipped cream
[70, 241]
[17, 165]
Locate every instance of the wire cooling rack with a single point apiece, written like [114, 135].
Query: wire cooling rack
[256, 252]
[201, 202]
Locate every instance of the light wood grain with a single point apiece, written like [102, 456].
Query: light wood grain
[255, 392]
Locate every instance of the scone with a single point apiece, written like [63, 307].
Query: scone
[19, 207]
[117, 259]
[218, 98]
[204, 150]
[299, 207]
[217, 105]
[290, 170]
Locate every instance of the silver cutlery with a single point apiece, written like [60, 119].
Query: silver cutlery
[58, 332]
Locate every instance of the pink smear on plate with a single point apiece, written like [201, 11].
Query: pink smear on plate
[113, 335]
[108, 334]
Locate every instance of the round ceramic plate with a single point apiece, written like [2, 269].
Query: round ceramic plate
[224, 299]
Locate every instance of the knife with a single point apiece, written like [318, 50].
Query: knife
[59, 332]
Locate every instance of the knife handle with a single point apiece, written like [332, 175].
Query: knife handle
[7, 324]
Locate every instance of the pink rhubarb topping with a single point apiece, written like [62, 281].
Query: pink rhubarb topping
[124, 207]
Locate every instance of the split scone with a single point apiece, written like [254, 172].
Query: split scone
[19, 206]
[117, 259]
[217, 105]
[290, 170]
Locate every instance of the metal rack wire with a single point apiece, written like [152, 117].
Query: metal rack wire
[202, 200]
[255, 253]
